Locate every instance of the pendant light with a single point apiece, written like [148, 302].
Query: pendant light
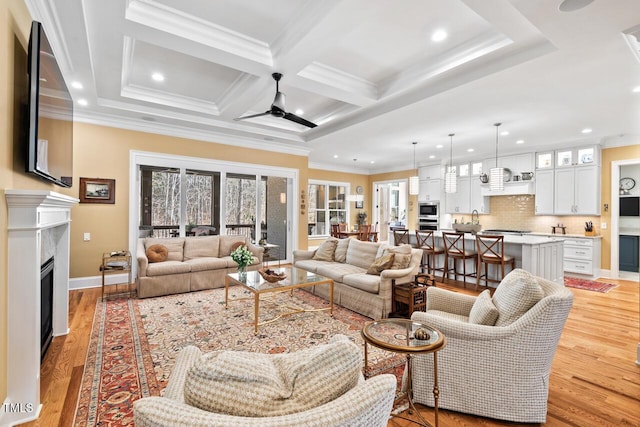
[414, 181]
[496, 175]
[450, 179]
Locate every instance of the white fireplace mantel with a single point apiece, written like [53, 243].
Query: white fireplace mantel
[33, 214]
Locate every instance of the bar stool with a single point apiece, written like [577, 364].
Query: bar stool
[400, 236]
[426, 241]
[491, 251]
[454, 247]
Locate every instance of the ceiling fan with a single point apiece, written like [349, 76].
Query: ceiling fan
[277, 107]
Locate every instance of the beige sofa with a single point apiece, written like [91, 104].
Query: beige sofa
[193, 264]
[367, 294]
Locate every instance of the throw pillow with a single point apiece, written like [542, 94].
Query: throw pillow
[515, 295]
[402, 257]
[236, 245]
[383, 263]
[326, 250]
[267, 385]
[157, 253]
[483, 311]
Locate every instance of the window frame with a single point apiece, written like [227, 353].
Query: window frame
[327, 210]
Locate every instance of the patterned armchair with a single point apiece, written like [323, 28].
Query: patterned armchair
[367, 403]
[499, 349]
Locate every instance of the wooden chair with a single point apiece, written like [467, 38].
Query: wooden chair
[454, 248]
[400, 236]
[426, 241]
[491, 251]
[337, 231]
[373, 236]
[364, 232]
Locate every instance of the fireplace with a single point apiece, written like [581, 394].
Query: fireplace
[46, 306]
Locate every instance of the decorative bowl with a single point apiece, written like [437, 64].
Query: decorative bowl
[271, 276]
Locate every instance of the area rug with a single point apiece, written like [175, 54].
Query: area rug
[134, 343]
[589, 285]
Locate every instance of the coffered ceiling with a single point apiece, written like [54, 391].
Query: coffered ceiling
[367, 72]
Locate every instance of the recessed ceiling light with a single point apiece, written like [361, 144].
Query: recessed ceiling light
[520, 141]
[439, 146]
[439, 35]
[372, 161]
[470, 150]
[299, 112]
[636, 89]
[76, 85]
[504, 133]
[335, 156]
[587, 130]
[573, 5]
[83, 102]
[157, 77]
[432, 156]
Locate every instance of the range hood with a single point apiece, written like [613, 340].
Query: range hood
[511, 188]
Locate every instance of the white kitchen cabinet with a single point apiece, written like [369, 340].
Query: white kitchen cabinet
[430, 172]
[479, 202]
[582, 256]
[517, 163]
[577, 190]
[589, 155]
[430, 190]
[460, 201]
[544, 160]
[544, 191]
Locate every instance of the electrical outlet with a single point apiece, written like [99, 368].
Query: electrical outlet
[87, 237]
[603, 225]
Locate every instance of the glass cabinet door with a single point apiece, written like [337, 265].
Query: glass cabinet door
[564, 158]
[544, 160]
[586, 155]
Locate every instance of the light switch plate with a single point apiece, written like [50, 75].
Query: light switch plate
[87, 237]
[603, 225]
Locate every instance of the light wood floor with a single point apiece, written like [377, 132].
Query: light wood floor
[594, 379]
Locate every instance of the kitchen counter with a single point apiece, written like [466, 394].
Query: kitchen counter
[567, 236]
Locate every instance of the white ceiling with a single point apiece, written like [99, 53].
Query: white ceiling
[366, 71]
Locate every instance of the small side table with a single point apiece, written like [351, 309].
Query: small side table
[413, 295]
[117, 262]
[399, 335]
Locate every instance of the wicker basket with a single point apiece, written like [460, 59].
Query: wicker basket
[271, 276]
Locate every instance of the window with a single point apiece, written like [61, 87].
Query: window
[327, 205]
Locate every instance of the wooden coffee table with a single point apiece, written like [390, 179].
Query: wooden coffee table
[257, 285]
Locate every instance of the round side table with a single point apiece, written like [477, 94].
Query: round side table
[399, 336]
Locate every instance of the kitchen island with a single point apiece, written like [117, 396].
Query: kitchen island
[540, 255]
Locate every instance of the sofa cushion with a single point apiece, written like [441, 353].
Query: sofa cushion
[266, 385]
[337, 271]
[175, 246]
[232, 264]
[157, 253]
[206, 263]
[515, 295]
[326, 250]
[365, 282]
[402, 257]
[227, 242]
[483, 311]
[311, 264]
[362, 254]
[205, 246]
[340, 254]
[383, 263]
[167, 267]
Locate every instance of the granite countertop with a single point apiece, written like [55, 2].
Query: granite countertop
[525, 239]
[563, 236]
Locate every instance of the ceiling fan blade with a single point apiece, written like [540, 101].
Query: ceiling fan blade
[299, 120]
[253, 115]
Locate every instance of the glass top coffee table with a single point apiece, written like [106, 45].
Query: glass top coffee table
[409, 337]
[257, 285]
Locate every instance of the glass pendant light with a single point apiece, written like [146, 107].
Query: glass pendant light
[450, 179]
[414, 181]
[496, 175]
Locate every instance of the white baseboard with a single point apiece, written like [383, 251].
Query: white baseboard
[96, 281]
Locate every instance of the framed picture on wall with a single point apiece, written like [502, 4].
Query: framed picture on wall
[97, 190]
[359, 205]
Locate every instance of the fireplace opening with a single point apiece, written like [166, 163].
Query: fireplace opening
[46, 306]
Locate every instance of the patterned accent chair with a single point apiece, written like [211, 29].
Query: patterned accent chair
[359, 402]
[499, 350]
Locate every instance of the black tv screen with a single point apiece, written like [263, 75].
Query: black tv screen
[50, 137]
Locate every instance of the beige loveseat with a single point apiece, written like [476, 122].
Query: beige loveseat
[367, 294]
[193, 264]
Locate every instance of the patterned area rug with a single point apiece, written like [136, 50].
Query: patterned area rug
[134, 343]
[589, 285]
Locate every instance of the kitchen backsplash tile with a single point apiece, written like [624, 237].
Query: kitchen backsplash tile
[518, 213]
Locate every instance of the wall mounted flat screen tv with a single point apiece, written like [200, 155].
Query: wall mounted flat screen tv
[50, 138]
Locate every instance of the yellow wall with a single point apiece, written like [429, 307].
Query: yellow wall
[103, 152]
[610, 155]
